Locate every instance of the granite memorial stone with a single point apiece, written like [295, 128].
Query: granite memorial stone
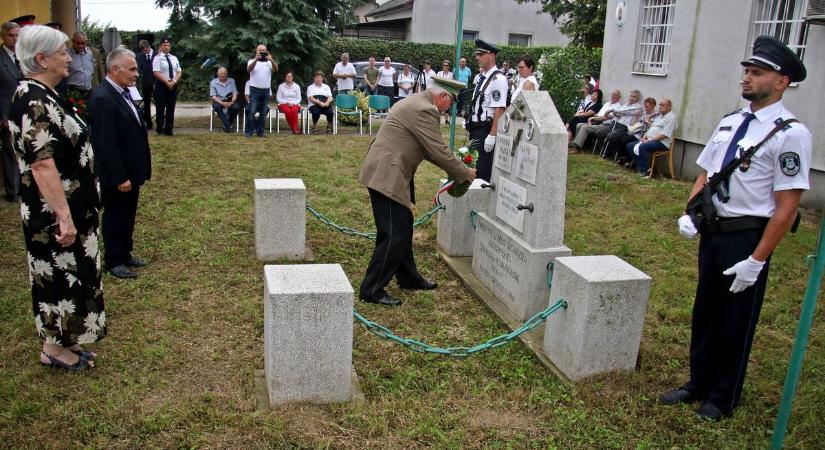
[455, 225]
[307, 333]
[280, 219]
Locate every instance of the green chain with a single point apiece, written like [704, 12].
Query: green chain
[353, 232]
[460, 352]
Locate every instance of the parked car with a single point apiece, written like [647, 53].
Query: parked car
[361, 65]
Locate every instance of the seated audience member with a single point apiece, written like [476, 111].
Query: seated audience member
[224, 99]
[386, 78]
[406, 83]
[658, 137]
[618, 138]
[526, 80]
[319, 97]
[585, 111]
[586, 129]
[289, 101]
[621, 117]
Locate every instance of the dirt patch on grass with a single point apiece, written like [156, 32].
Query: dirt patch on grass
[502, 420]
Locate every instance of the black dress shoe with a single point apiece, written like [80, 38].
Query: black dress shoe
[135, 262]
[709, 411]
[423, 285]
[122, 271]
[386, 300]
[674, 396]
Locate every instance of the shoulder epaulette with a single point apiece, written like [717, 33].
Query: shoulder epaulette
[732, 112]
[780, 120]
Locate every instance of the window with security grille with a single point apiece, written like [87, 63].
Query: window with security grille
[653, 42]
[521, 40]
[784, 20]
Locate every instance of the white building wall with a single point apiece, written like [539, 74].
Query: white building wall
[710, 38]
[434, 21]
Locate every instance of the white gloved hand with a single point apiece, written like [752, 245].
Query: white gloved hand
[636, 149]
[489, 143]
[746, 272]
[686, 227]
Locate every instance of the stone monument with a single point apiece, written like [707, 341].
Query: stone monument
[455, 222]
[601, 327]
[521, 229]
[308, 333]
[280, 219]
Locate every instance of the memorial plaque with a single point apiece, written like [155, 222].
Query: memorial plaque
[504, 148]
[527, 157]
[508, 196]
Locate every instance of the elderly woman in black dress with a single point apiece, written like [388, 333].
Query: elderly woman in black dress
[59, 204]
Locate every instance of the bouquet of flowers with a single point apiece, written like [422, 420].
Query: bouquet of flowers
[78, 103]
[469, 156]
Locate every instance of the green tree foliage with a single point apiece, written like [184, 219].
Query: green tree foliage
[580, 20]
[225, 33]
[563, 72]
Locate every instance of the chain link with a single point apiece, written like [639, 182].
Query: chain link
[460, 352]
[369, 235]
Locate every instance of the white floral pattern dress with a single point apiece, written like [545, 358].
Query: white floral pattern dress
[67, 294]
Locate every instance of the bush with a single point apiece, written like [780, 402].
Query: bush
[562, 72]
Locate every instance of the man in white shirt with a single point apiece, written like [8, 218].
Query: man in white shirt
[489, 101]
[584, 131]
[344, 74]
[260, 70]
[167, 70]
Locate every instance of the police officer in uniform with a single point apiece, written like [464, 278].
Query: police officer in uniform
[735, 249]
[488, 104]
[167, 71]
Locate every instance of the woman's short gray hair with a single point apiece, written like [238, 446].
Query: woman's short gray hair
[116, 55]
[36, 39]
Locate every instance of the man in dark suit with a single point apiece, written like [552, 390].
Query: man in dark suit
[147, 80]
[123, 162]
[9, 75]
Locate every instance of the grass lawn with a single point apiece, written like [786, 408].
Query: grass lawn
[176, 370]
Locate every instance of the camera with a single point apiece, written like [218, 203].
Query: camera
[264, 55]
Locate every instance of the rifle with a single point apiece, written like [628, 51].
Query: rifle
[700, 207]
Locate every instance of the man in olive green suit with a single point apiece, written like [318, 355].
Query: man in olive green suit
[410, 134]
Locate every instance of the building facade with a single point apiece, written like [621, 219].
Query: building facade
[495, 21]
[689, 51]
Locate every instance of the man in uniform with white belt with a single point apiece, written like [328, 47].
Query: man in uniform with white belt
[489, 101]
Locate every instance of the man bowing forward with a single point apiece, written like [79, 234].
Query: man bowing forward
[123, 163]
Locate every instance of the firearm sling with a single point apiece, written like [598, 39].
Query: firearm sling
[700, 207]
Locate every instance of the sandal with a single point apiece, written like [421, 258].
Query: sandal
[83, 353]
[81, 364]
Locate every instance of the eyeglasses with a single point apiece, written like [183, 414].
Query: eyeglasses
[521, 67]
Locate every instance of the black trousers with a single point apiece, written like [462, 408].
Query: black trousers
[484, 166]
[11, 171]
[165, 105]
[119, 210]
[723, 323]
[393, 254]
[147, 92]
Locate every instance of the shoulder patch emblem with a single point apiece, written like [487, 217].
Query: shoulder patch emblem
[789, 163]
[496, 95]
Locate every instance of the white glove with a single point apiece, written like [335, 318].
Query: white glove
[686, 227]
[746, 272]
[636, 149]
[489, 143]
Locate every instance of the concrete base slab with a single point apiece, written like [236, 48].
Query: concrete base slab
[534, 339]
[262, 397]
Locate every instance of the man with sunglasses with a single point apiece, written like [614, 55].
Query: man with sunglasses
[410, 134]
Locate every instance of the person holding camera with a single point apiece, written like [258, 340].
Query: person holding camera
[260, 71]
[748, 201]
[224, 95]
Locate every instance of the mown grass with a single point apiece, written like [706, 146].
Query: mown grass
[176, 370]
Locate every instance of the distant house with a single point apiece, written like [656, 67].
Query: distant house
[495, 21]
[689, 51]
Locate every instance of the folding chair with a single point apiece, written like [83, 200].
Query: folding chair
[237, 119]
[659, 153]
[376, 104]
[268, 112]
[347, 105]
[278, 120]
